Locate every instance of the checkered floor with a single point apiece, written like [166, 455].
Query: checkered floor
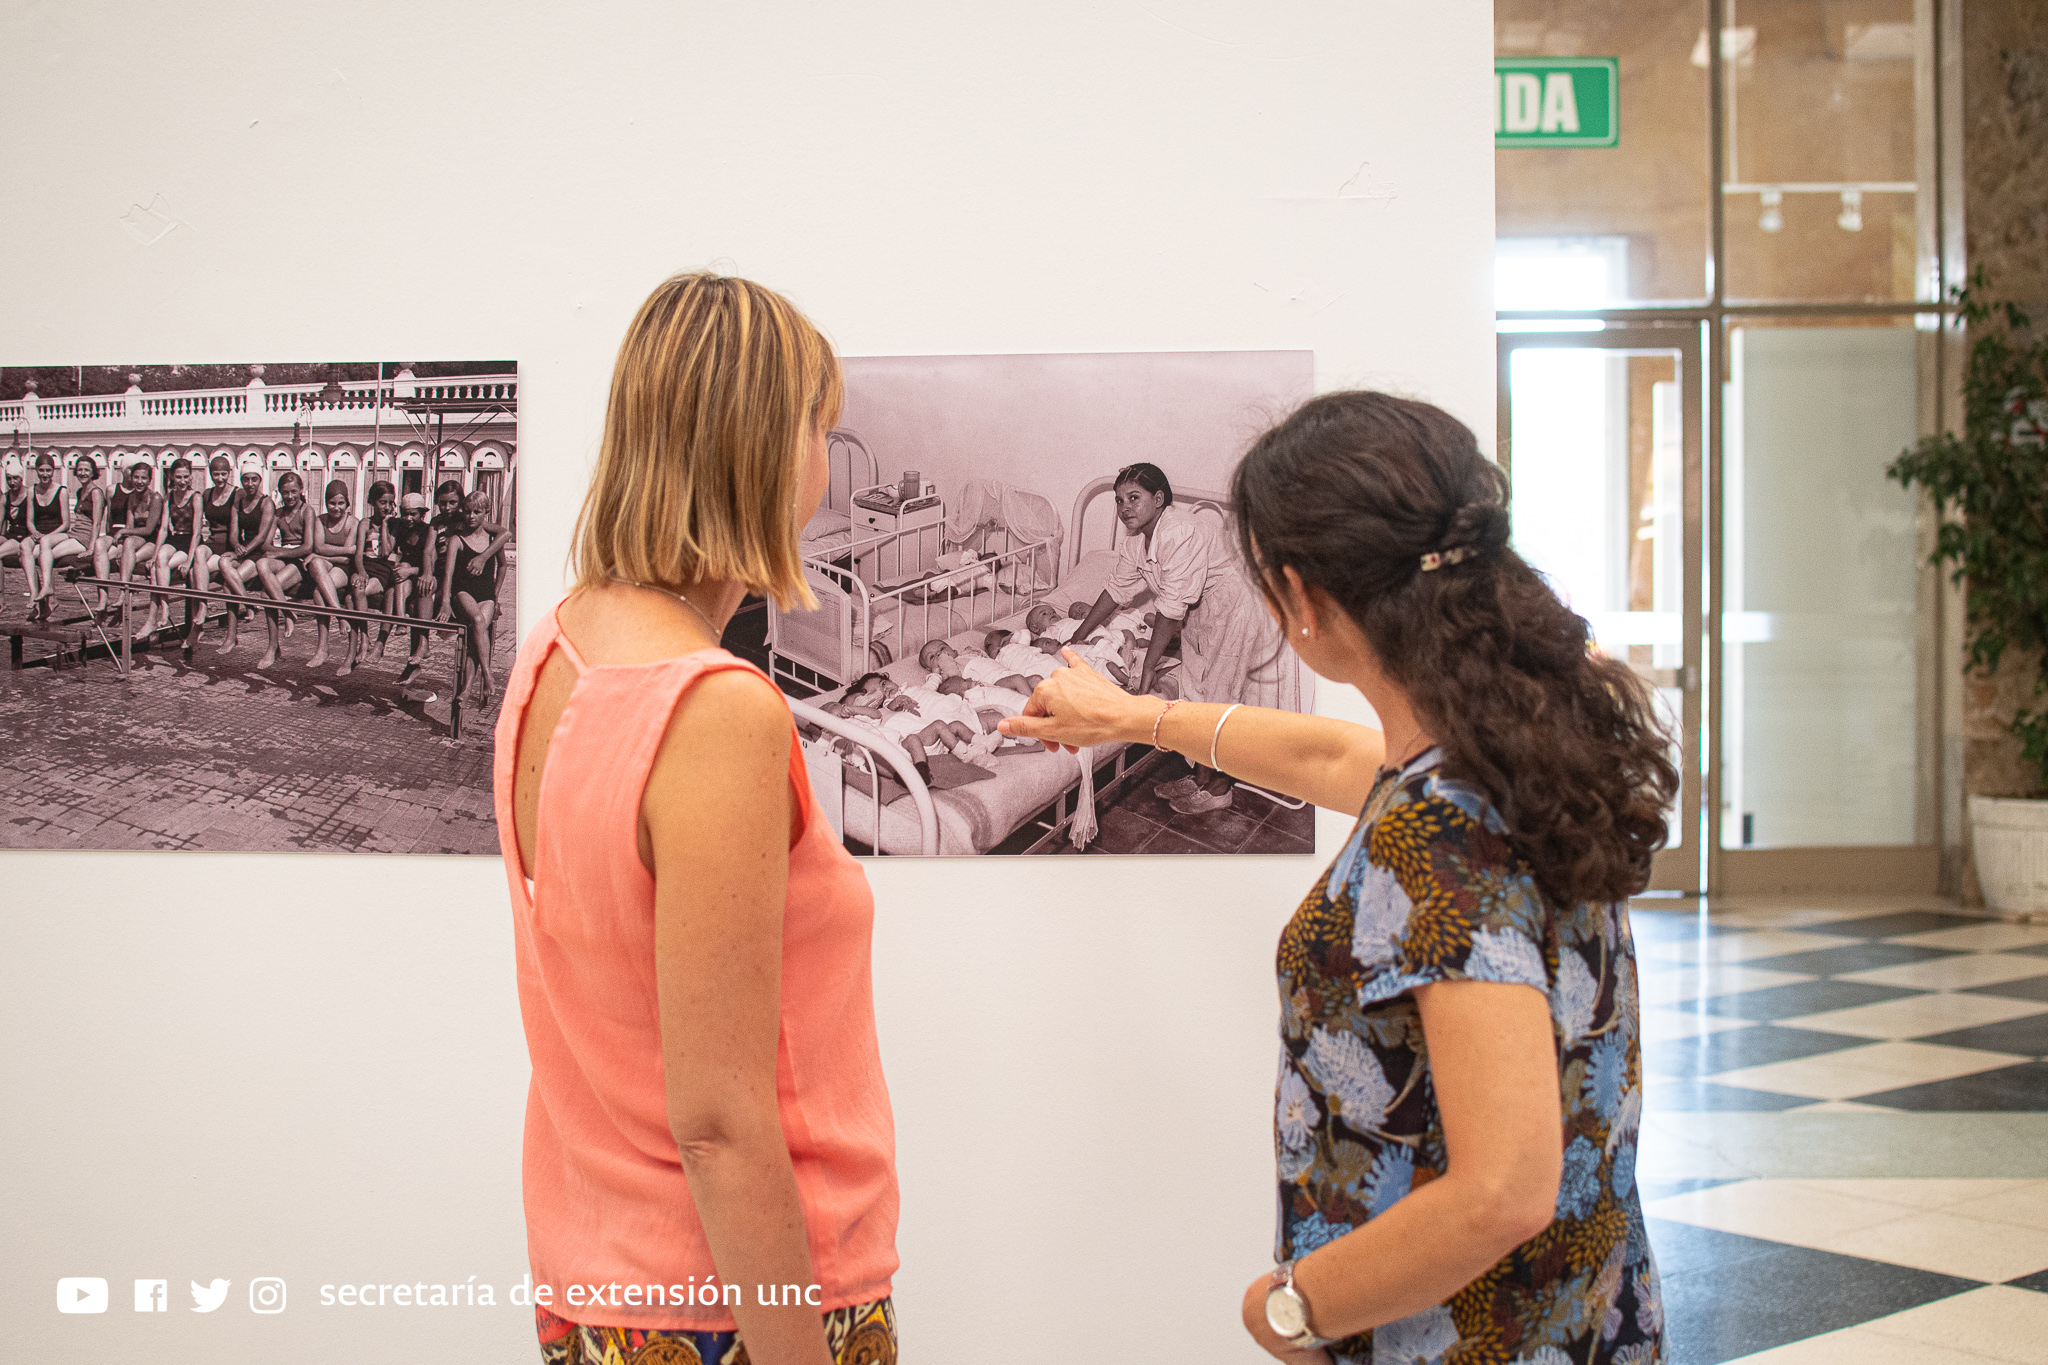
[1880, 1081]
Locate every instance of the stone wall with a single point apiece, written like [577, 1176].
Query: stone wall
[2005, 214]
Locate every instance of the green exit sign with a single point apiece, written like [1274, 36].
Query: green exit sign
[1556, 101]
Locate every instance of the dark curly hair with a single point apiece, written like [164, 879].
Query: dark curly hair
[1351, 491]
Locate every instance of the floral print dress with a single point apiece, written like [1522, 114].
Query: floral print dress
[1428, 889]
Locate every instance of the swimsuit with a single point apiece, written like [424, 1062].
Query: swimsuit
[81, 513]
[47, 516]
[479, 583]
[181, 521]
[377, 547]
[236, 513]
[409, 541]
[218, 516]
[15, 525]
[291, 533]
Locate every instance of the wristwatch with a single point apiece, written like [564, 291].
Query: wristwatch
[1287, 1311]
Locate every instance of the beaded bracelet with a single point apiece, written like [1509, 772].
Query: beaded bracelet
[1161, 716]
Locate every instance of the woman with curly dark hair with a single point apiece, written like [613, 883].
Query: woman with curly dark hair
[1460, 1081]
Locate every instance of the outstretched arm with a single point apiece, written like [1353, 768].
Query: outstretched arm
[1330, 763]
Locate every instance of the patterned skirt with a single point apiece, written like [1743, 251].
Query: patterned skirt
[864, 1334]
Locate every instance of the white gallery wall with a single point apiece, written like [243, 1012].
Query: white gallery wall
[312, 1067]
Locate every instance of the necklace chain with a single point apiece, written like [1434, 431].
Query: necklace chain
[670, 592]
[1408, 752]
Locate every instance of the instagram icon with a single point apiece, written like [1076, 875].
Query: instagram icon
[266, 1296]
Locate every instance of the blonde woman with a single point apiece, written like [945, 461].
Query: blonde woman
[707, 1113]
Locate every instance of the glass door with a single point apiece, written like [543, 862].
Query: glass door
[1601, 436]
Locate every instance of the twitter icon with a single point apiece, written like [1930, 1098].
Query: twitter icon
[207, 1297]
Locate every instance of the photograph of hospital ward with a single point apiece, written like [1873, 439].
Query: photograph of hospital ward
[986, 511]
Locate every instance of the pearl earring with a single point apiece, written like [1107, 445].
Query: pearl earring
[1304, 630]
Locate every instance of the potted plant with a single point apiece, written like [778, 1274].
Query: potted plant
[1990, 487]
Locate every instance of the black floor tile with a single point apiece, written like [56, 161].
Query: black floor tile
[1663, 1189]
[1170, 841]
[1225, 830]
[1123, 832]
[1857, 957]
[1300, 823]
[2010, 1089]
[1892, 925]
[1712, 1053]
[1139, 798]
[2028, 1037]
[1267, 839]
[1697, 1096]
[1801, 997]
[1726, 1296]
[2038, 1282]
[2027, 988]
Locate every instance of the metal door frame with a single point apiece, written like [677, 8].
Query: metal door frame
[1683, 869]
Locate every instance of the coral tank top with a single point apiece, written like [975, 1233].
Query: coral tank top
[606, 1199]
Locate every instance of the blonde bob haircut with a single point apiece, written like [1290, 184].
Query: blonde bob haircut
[719, 389]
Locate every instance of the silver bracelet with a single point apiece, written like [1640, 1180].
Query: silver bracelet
[1219, 730]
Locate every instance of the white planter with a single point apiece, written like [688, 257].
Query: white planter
[2010, 838]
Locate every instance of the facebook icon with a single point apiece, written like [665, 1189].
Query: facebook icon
[150, 1295]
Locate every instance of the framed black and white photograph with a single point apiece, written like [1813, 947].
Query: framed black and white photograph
[256, 607]
[987, 512]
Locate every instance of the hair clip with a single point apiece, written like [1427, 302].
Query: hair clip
[1436, 559]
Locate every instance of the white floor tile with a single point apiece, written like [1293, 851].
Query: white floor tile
[1953, 973]
[1739, 947]
[1994, 937]
[1676, 1025]
[1866, 1070]
[1996, 1321]
[1777, 1210]
[1682, 984]
[1947, 1244]
[1957, 1196]
[1916, 1016]
[2025, 1206]
[1861, 1346]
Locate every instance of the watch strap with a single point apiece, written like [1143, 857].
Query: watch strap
[1283, 1283]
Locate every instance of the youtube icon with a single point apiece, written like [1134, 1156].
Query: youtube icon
[82, 1294]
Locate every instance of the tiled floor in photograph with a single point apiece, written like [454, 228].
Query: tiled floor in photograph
[1845, 1157]
[218, 754]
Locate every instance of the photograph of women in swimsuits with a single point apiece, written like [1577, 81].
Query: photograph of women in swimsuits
[1007, 516]
[214, 561]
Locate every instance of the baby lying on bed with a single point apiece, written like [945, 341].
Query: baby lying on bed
[923, 720]
[980, 670]
[1044, 622]
[1115, 648]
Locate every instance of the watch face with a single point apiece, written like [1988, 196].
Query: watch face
[1284, 1313]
